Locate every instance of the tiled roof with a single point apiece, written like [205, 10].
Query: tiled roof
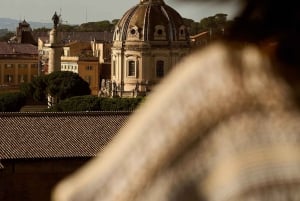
[87, 36]
[78, 36]
[57, 135]
[16, 48]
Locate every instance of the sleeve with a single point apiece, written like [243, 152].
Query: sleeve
[197, 94]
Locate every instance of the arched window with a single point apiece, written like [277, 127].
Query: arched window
[160, 71]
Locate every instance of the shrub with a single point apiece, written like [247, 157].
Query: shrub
[93, 103]
[12, 102]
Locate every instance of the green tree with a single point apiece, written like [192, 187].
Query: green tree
[7, 36]
[68, 28]
[35, 90]
[119, 104]
[193, 27]
[65, 84]
[93, 103]
[214, 23]
[41, 29]
[115, 21]
[104, 25]
[12, 102]
[78, 103]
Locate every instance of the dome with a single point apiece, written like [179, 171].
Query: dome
[149, 40]
[151, 20]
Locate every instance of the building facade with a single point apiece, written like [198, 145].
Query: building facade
[148, 41]
[87, 59]
[18, 63]
[84, 53]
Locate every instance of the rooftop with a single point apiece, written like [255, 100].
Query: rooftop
[67, 37]
[17, 49]
[57, 135]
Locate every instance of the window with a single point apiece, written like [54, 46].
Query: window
[22, 78]
[9, 78]
[131, 68]
[182, 33]
[22, 65]
[160, 69]
[159, 32]
[8, 65]
[114, 68]
[34, 65]
[134, 33]
[89, 68]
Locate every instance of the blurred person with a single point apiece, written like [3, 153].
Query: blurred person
[223, 126]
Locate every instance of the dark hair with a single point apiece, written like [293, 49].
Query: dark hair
[261, 20]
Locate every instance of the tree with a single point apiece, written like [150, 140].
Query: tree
[115, 21]
[77, 103]
[12, 102]
[193, 27]
[93, 103]
[214, 23]
[60, 85]
[65, 84]
[68, 28]
[36, 89]
[104, 25]
[7, 36]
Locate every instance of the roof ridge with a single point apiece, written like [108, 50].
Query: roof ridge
[53, 114]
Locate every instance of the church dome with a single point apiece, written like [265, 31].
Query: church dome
[151, 20]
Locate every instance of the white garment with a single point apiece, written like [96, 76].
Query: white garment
[220, 127]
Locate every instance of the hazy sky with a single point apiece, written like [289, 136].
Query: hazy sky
[77, 12]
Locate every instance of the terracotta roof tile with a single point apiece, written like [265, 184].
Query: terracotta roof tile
[15, 48]
[57, 135]
[78, 36]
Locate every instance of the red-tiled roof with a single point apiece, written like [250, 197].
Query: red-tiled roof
[57, 135]
[15, 48]
[86, 36]
[67, 37]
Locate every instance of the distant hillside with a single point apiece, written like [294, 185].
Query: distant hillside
[11, 24]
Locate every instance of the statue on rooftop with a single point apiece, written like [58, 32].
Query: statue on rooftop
[55, 20]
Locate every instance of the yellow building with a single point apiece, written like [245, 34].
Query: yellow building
[18, 63]
[85, 53]
[78, 58]
[88, 69]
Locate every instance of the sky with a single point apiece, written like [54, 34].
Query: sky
[77, 12]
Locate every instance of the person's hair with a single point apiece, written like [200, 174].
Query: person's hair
[261, 20]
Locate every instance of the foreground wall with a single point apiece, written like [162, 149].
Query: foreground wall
[33, 180]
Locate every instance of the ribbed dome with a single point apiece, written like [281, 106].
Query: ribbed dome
[151, 20]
